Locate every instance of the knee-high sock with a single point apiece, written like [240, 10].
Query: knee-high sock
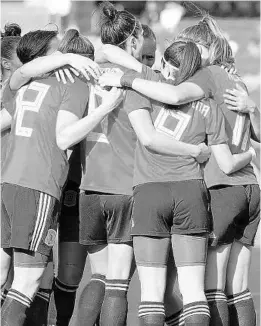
[90, 301]
[64, 298]
[151, 313]
[241, 309]
[196, 314]
[37, 314]
[217, 302]
[14, 308]
[115, 304]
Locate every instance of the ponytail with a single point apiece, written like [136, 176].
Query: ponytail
[74, 42]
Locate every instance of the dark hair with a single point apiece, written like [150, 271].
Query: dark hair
[208, 34]
[185, 56]
[34, 44]
[10, 37]
[148, 32]
[117, 26]
[74, 42]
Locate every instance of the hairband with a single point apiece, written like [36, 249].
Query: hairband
[129, 35]
[169, 64]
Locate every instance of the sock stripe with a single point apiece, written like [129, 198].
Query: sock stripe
[65, 287]
[43, 297]
[237, 299]
[216, 296]
[150, 308]
[15, 295]
[97, 280]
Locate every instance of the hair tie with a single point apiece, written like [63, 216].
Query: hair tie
[129, 35]
[169, 64]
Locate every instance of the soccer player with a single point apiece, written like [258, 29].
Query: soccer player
[9, 63]
[36, 165]
[149, 46]
[213, 81]
[106, 198]
[158, 219]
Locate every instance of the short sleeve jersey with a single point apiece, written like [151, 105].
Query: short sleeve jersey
[33, 158]
[108, 151]
[214, 81]
[193, 123]
[4, 136]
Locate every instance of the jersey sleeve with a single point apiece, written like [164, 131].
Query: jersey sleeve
[135, 101]
[8, 98]
[215, 126]
[150, 74]
[75, 98]
[205, 80]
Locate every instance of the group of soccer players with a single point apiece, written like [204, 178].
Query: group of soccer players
[138, 168]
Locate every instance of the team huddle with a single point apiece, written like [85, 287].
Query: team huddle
[132, 167]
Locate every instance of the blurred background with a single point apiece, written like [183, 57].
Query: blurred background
[240, 20]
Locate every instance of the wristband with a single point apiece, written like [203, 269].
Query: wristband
[128, 78]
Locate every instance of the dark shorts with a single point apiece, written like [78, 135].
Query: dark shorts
[105, 218]
[28, 219]
[162, 209]
[69, 217]
[235, 214]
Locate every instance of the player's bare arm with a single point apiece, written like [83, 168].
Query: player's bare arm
[70, 130]
[161, 143]
[228, 162]
[45, 64]
[5, 119]
[237, 99]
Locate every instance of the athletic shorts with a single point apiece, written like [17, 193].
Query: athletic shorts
[69, 217]
[235, 214]
[164, 208]
[105, 218]
[28, 219]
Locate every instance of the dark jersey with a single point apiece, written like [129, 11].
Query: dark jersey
[33, 158]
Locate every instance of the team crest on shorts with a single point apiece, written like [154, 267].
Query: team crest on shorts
[70, 198]
[50, 238]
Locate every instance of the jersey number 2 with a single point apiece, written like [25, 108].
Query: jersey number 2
[22, 106]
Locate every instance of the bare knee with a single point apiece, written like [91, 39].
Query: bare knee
[120, 258]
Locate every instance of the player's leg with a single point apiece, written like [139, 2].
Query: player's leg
[120, 257]
[172, 300]
[226, 204]
[189, 244]
[152, 215]
[6, 272]
[38, 311]
[93, 235]
[33, 231]
[240, 301]
[72, 256]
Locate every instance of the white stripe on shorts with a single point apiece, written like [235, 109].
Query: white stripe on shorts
[43, 210]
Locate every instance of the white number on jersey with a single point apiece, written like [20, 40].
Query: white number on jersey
[165, 116]
[22, 106]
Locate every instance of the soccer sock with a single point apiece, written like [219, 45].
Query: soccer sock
[217, 302]
[90, 301]
[241, 309]
[37, 314]
[115, 304]
[151, 313]
[3, 296]
[176, 319]
[196, 314]
[64, 298]
[14, 308]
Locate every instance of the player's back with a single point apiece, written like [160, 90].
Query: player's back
[33, 159]
[194, 123]
[237, 129]
[109, 148]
